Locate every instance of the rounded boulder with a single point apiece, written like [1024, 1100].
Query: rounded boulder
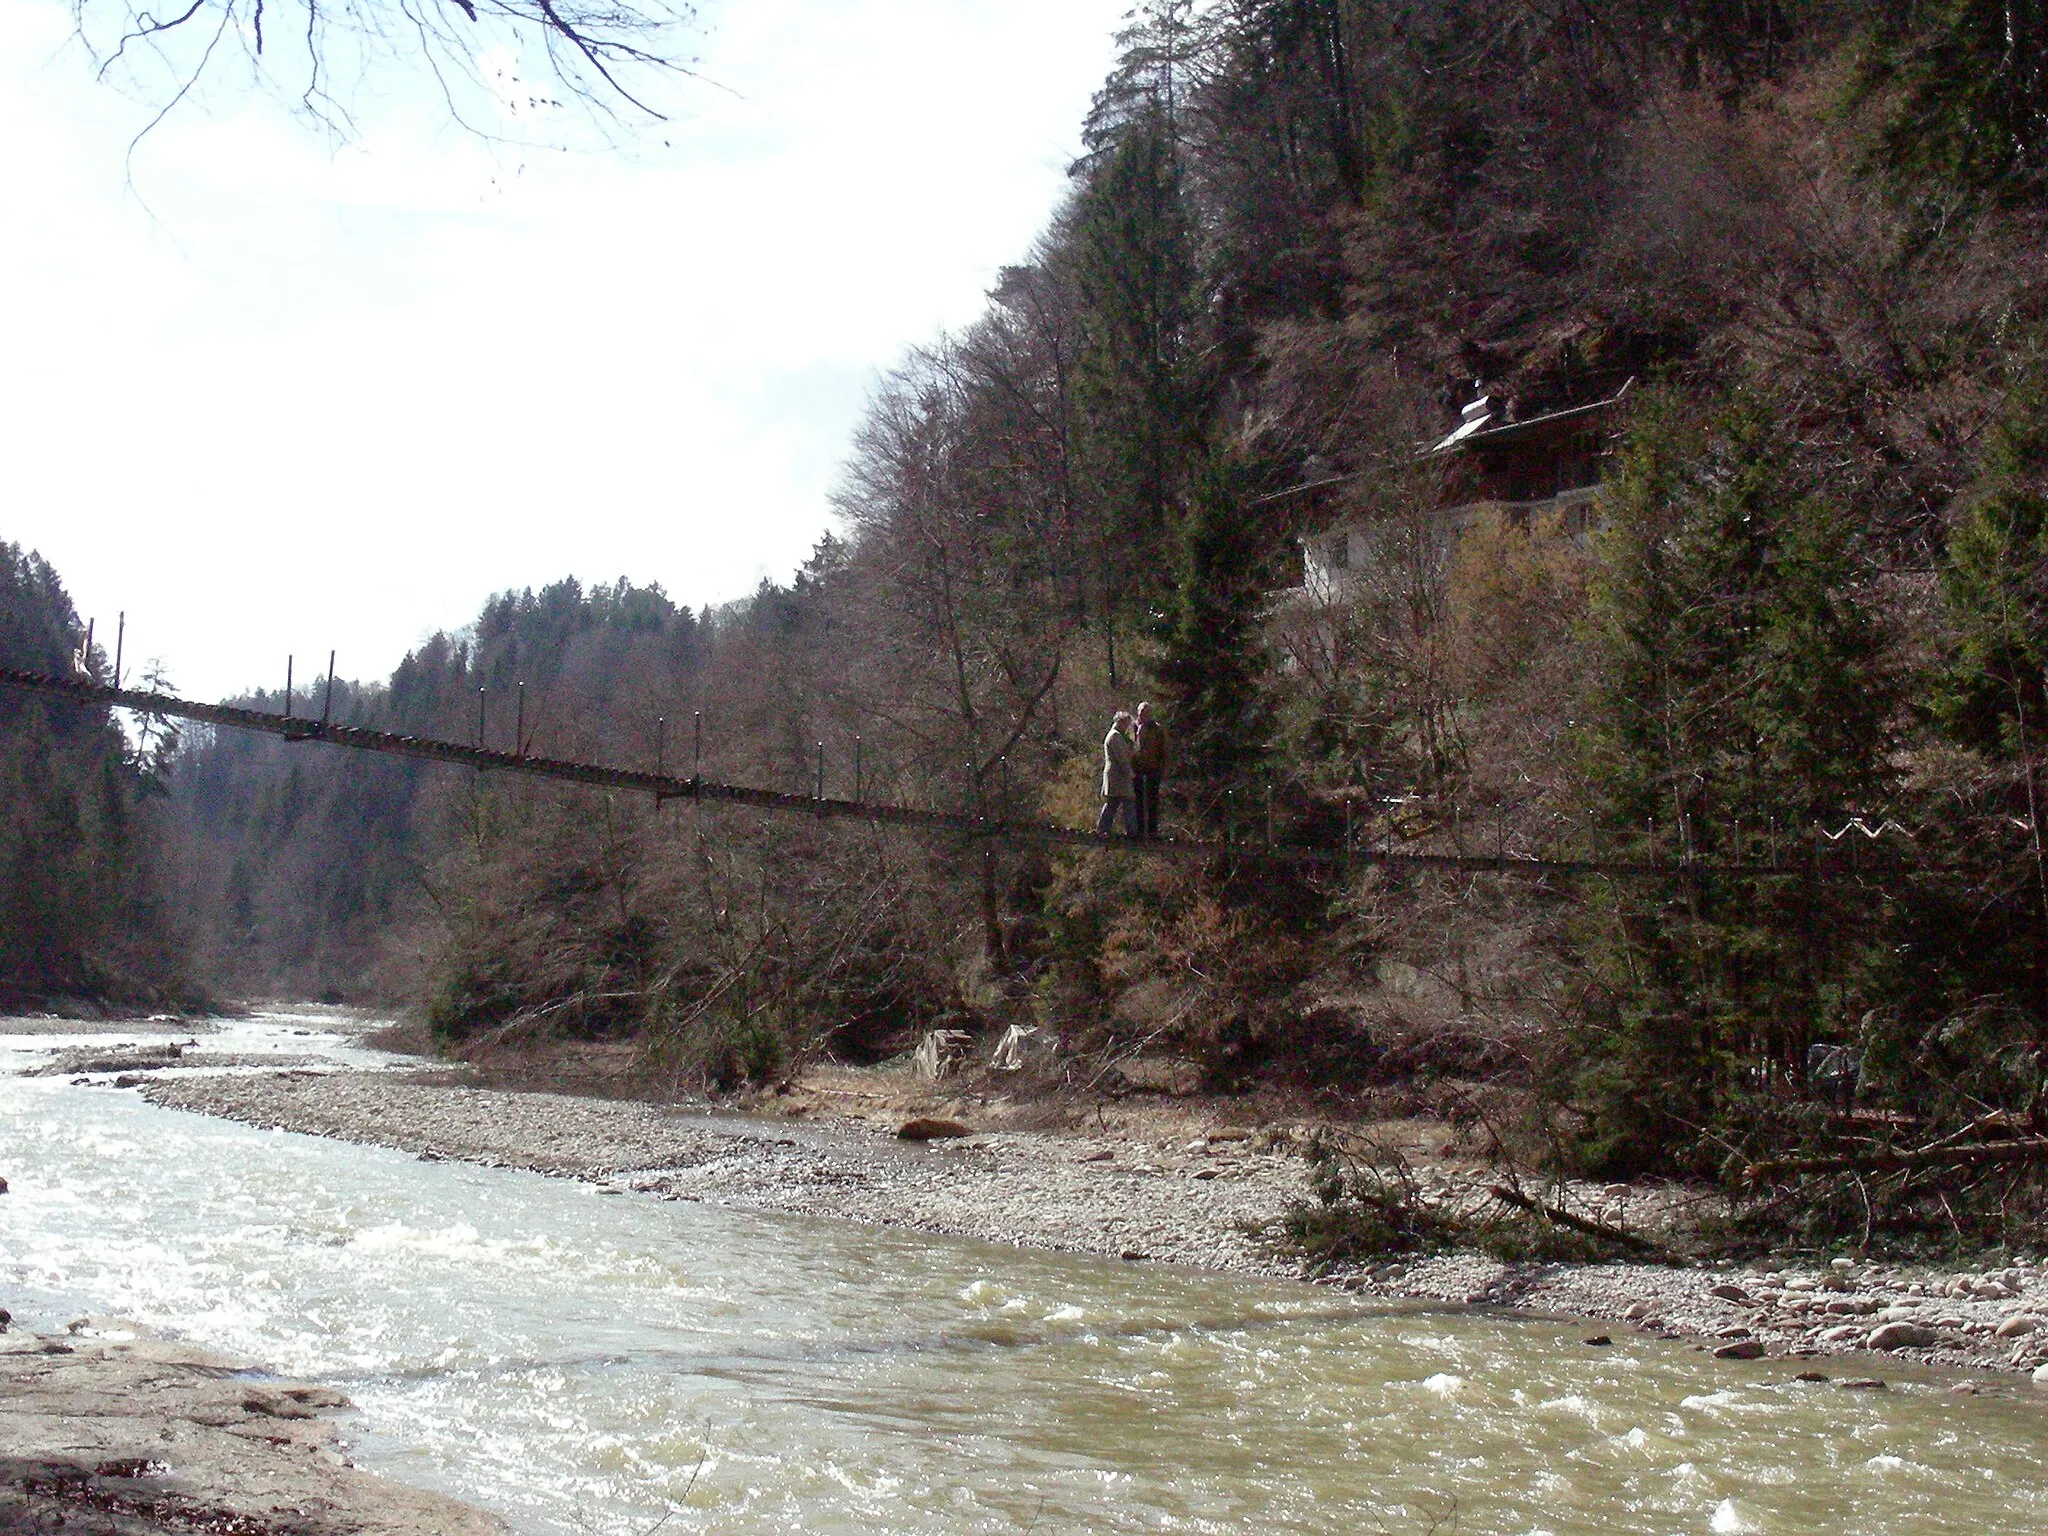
[1902, 1335]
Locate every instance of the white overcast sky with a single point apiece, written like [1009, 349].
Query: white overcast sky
[272, 395]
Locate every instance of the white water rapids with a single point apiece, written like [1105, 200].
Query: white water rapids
[589, 1362]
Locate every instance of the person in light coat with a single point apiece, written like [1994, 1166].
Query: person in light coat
[1116, 780]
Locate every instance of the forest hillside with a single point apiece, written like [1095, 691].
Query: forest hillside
[1736, 579]
[87, 918]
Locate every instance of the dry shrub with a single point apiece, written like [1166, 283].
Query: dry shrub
[1367, 1202]
[1516, 589]
[1204, 961]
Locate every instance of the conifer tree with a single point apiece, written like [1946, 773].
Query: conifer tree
[81, 911]
[1130, 250]
[1990, 697]
[1744, 701]
[1214, 656]
[1968, 82]
[1995, 589]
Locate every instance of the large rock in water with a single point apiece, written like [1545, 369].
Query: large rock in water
[110, 1437]
[931, 1128]
[1902, 1336]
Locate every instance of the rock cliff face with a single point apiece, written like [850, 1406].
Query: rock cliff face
[110, 1434]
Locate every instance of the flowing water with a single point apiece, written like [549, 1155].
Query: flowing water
[585, 1362]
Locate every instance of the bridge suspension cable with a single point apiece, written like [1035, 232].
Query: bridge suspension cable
[666, 786]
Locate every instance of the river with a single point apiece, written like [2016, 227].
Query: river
[592, 1362]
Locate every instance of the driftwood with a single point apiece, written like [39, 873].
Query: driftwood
[1584, 1224]
[2018, 1150]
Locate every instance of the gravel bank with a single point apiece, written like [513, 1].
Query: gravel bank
[1186, 1206]
[68, 1024]
[1196, 1201]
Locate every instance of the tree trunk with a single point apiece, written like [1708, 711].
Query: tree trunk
[991, 913]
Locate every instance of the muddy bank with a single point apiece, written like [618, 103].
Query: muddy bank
[1199, 1196]
[105, 1432]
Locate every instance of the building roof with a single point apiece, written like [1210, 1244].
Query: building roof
[1479, 430]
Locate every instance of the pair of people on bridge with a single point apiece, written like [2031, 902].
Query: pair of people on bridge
[1134, 758]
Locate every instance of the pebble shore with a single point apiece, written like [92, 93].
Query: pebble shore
[1199, 1200]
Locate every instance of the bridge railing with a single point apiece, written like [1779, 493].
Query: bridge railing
[666, 786]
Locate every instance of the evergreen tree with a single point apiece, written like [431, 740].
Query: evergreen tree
[1995, 591]
[1130, 252]
[1968, 88]
[1744, 701]
[1214, 654]
[82, 913]
[1987, 937]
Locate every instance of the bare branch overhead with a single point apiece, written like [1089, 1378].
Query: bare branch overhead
[490, 60]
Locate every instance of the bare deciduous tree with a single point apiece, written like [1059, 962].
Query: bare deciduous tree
[607, 58]
[965, 579]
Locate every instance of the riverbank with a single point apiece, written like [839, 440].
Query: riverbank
[1176, 1186]
[579, 1362]
[107, 1432]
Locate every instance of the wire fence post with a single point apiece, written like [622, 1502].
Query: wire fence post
[327, 707]
[480, 719]
[120, 641]
[519, 725]
[697, 748]
[288, 687]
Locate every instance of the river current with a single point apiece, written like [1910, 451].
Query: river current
[583, 1361]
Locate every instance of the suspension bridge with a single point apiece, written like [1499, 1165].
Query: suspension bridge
[662, 786]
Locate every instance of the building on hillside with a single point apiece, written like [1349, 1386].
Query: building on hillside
[1547, 472]
[1549, 466]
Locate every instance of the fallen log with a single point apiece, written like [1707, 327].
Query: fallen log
[1582, 1224]
[1877, 1159]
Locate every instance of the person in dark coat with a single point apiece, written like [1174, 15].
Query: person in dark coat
[1149, 756]
[1116, 779]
